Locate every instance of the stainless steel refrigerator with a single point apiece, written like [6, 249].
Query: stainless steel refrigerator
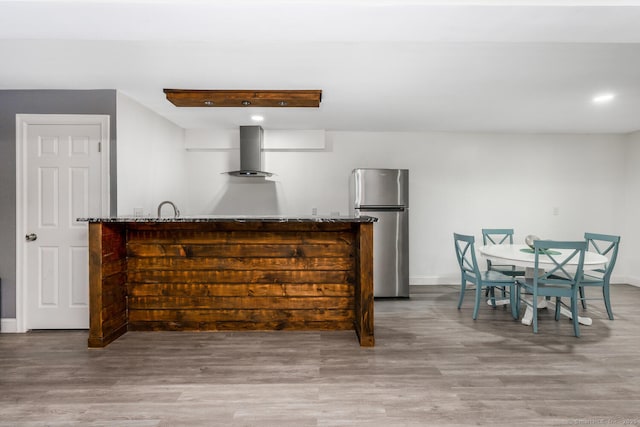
[384, 194]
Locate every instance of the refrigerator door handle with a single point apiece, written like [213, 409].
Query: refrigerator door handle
[381, 208]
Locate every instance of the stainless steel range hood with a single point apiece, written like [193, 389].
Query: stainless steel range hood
[250, 153]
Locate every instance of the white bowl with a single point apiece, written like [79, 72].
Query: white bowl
[529, 240]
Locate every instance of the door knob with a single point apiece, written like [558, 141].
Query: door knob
[31, 237]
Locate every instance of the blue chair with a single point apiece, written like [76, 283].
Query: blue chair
[608, 246]
[558, 281]
[466, 255]
[500, 236]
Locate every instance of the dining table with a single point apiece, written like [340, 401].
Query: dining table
[523, 256]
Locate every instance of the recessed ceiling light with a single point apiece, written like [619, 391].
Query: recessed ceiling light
[257, 118]
[603, 98]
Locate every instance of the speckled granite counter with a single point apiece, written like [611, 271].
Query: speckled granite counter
[230, 273]
[235, 218]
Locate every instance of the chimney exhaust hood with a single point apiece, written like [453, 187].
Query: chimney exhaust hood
[250, 153]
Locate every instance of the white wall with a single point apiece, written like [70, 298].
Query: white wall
[458, 182]
[151, 159]
[629, 255]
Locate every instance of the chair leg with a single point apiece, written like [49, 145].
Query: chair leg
[534, 306]
[607, 301]
[492, 294]
[582, 298]
[558, 307]
[513, 300]
[463, 287]
[574, 315]
[478, 298]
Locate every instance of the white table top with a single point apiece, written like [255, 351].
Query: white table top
[512, 254]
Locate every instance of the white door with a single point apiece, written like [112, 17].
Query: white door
[63, 182]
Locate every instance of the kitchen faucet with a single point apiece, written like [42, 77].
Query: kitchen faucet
[176, 212]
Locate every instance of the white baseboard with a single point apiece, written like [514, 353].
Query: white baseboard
[455, 280]
[633, 281]
[433, 280]
[8, 325]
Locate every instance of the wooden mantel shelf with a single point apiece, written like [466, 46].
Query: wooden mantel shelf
[244, 98]
[215, 274]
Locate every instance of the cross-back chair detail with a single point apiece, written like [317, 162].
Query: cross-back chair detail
[469, 271]
[560, 280]
[606, 245]
[497, 236]
[500, 236]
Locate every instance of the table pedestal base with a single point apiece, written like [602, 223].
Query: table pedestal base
[527, 319]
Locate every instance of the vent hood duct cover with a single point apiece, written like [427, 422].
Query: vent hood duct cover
[250, 153]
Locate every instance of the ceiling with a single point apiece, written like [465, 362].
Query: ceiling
[382, 65]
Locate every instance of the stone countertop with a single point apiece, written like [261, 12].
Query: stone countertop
[234, 218]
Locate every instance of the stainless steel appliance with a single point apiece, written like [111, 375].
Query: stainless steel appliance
[251, 153]
[384, 194]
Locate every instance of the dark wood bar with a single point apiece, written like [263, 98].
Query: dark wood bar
[222, 274]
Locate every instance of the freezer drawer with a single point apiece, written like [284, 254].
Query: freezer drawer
[380, 187]
[390, 252]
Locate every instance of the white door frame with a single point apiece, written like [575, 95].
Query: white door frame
[23, 121]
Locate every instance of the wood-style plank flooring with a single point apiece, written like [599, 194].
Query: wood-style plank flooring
[432, 366]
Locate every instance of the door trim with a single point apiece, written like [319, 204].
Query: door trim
[23, 121]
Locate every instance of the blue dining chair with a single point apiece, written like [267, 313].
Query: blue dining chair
[606, 245]
[466, 255]
[500, 236]
[557, 281]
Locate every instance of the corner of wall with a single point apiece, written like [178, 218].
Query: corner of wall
[8, 326]
[151, 159]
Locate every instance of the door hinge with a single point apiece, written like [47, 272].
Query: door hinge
[99, 147]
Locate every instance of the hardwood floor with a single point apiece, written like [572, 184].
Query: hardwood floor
[432, 366]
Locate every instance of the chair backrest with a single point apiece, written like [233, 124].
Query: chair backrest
[497, 236]
[606, 245]
[567, 259]
[466, 254]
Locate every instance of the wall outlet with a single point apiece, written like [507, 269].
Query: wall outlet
[314, 211]
[556, 211]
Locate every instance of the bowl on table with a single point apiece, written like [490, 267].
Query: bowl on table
[529, 240]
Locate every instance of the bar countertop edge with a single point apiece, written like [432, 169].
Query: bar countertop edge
[225, 218]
